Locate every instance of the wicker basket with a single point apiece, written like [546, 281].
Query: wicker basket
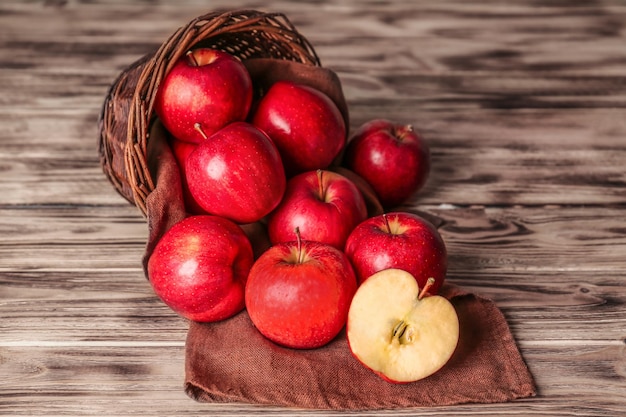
[127, 113]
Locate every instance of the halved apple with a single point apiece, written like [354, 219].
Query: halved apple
[399, 332]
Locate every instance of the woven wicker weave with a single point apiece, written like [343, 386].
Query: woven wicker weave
[127, 111]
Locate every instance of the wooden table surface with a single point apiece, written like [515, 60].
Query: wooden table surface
[523, 106]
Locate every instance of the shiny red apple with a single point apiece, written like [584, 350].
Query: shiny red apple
[304, 123]
[200, 266]
[391, 157]
[236, 173]
[323, 205]
[399, 240]
[298, 293]
[205, 88]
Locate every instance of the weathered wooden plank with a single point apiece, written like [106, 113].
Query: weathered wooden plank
[559, 321]
[556, 272]
[534, 239]
[68, 224]
[51, 379]
[398, 76]
[479, 239]
[523, 105]
[451, 36]
[452, 84]
[530, 40]
[479, 157]
[110, 305]
[531, 240]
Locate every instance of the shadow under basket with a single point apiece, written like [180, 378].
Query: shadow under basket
[127, 114]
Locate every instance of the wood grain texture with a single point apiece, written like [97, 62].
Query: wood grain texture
[523, 106]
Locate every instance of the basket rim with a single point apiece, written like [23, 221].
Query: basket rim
[156, 66]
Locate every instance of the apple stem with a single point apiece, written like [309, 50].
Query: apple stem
[199, 129]
[299, 240]
[401, 132]
[387, 223]
[192, 58]
[429, 283]
[320, 173]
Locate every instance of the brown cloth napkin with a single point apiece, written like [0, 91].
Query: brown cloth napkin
[230, 361]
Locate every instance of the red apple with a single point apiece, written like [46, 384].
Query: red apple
[399, 331]
[237, 173]
[398, 240]
[323, 205]
[392, 158]
[304, 123]
[200, 266]
[298, 293]
[207, 88]
[181, 150]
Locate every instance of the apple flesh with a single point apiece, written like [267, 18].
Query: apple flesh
[200, 266]
[398, 240]
[391, 157]
[304, 123]
[205, 87]
[236, 173]
[323, 205]
[298, 293]
[399, 332]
